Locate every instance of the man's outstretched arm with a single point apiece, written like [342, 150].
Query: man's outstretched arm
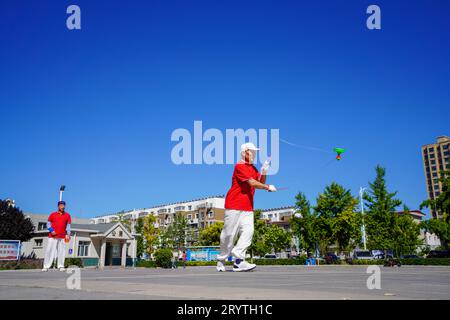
[257, 185]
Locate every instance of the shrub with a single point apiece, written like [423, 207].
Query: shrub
[357, 262]
[73, 262]
[22, 264]
[146, 264]
[274, 262]
[427, 262]
[163, 258]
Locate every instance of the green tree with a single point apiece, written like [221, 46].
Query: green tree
[304, 225]
[406, 234]
[175, 235]
[150, 233]
[210, 236]
[337, 220]
[178, 230]
[381, 215]
[442, 202]
[440, 227]
[276, 238]
[258, 246]
[13, 224]
[139, 229]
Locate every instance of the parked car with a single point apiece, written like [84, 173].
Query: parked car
[270, 256]
[362, 255]
[439, 254]
[330, 258]
[382, 254]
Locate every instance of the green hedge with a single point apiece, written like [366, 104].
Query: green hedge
[366, 262]
[427, 262]
[68, 262]
[284, 262]
[271, 262]
[301, 261]
[407, 262]
[23, 264]
[146, 264]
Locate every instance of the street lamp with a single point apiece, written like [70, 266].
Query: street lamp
[361, 193]
[61, 190]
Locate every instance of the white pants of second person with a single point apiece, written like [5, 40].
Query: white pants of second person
[56, 248]
[236, 223]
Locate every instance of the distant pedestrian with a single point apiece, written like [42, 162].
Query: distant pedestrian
[173, 262]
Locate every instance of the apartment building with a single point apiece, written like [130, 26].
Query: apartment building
[200, 213]
[436, 158]
[278, 216]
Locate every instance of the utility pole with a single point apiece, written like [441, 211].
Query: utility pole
[361, 193]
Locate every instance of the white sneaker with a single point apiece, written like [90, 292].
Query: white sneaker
[44, 269]
[62, 269]
[243, 266]
[221, 266]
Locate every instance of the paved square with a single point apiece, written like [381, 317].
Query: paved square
[266, 282]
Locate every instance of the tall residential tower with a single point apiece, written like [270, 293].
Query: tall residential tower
[436, 158]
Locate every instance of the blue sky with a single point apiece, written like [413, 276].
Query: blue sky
[94, 109]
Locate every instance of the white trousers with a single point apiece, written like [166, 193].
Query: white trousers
[236, 223]
[56, 248]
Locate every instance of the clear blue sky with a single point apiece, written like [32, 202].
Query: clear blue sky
[94, 109]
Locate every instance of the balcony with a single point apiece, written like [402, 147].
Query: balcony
[204, 205]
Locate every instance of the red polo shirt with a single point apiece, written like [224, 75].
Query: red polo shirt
[240, 195]
[59, 223]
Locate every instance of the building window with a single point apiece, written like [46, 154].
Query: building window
[211, 214]
[83, 248]
[431, 155]
[38, 243]
[189, 216]
[120, 233]
[190, 208]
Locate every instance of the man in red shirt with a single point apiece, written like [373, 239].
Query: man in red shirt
[59, 232]
[238, 217]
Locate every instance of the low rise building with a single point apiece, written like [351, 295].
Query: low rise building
[96, 245]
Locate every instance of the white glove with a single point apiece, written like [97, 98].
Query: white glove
[272, 188]
[265, 167]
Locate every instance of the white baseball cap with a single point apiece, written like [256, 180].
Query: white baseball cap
[248, 146]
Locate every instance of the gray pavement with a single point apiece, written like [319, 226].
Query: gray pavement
[266, 282]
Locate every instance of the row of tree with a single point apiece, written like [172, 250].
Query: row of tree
[336, 220]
